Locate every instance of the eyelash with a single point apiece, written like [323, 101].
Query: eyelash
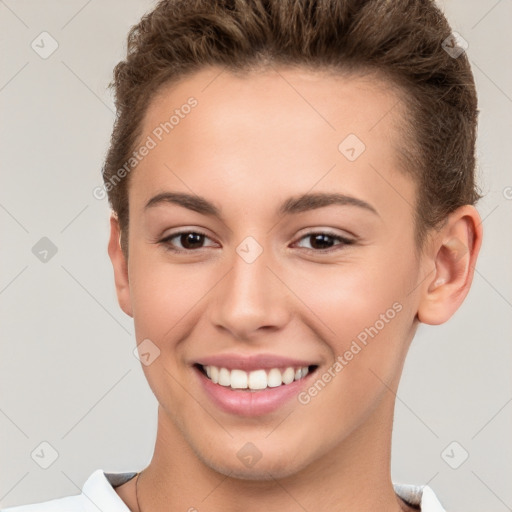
[344, 241]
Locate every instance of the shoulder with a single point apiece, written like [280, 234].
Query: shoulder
[67, 504]
[98, 494]
[420, 496]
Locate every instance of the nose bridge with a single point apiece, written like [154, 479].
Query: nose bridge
[250, 296]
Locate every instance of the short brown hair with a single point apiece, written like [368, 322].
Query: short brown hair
[402, 40]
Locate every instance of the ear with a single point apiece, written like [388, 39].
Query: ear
[120, 265]
[454, 251]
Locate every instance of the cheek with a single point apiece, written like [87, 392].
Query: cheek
[163, 297]
[348, 297]
[166, 300]
[359, 309]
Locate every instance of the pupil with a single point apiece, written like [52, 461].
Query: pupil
[325, 241]
[189, 239]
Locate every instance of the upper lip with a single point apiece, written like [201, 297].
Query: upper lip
[252, 362]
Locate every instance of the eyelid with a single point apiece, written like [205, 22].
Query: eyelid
[344, 240]
[326, 231]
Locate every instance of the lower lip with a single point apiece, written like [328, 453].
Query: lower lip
[251, 403]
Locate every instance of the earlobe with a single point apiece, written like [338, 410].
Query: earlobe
[120, 266]
[454, 253]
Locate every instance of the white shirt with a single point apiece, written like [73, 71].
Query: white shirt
[98, 494]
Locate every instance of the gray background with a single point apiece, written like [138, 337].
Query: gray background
[68, 376]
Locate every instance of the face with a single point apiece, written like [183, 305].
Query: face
[232, 266]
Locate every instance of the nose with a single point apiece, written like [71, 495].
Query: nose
[252, 299]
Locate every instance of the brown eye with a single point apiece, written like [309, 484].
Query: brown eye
[187, 241]
[321, 241]
[191, 240]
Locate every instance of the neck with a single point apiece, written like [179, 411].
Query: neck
[352, 476]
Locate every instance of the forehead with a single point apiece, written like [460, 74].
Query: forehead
[279, 128]
[287, 98]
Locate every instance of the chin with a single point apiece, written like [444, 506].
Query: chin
[265, 469]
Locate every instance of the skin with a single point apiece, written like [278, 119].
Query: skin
[251, 143]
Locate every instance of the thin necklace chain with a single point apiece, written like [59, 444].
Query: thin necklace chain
[137, 491]
[403, 506]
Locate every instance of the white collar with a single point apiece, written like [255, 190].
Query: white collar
[99, 493]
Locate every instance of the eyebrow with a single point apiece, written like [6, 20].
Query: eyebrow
[292, 205]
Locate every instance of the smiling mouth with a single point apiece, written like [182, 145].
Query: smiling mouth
[256, 380]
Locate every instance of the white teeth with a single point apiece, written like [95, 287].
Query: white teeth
[238, 379]
[256, 379]
[274, 378]
[288, 376]
[224, 377]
